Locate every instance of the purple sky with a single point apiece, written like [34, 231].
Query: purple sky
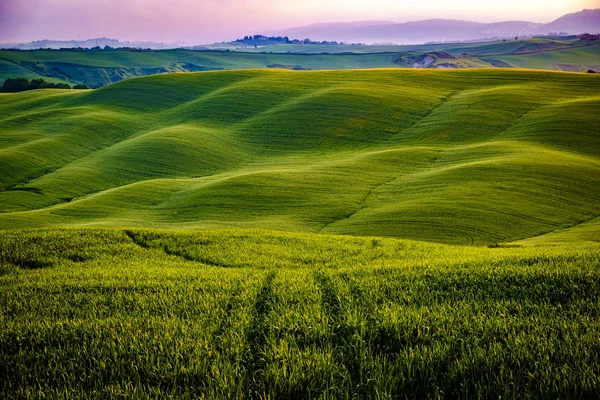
[207, 21]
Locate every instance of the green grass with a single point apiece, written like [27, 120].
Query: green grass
[100, 68]
[162, 58]
[245, 234]
[577, 59]
[9, 69]
[477, 49]
[520, 46]
[465, 157]
[97, 313]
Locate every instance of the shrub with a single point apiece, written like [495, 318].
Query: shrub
[13, 85]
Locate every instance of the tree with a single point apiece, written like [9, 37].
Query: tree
[13, 85]
[81, 86]
[37, 84]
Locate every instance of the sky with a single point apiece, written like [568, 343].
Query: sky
[208, 21]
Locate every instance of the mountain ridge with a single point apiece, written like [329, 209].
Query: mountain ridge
[436, 29]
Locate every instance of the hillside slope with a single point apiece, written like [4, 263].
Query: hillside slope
[101, 68]
[579, 59]
[471, 156]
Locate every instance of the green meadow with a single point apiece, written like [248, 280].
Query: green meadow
[497, 47]
[465, 157]
[561, 59]
[107, 313]
[101, 68]
[266, 234]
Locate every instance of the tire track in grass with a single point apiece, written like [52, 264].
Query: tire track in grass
[256, 340]
[380, 340]
[227, 352]
[182, 254]
[349, 346]
[367, 307]
[233, 304]
[367, 335]
[135, 238]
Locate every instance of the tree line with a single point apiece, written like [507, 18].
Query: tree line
[13, 85]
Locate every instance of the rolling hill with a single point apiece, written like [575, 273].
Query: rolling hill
[472, 156]
[573, 59]
[100, 68]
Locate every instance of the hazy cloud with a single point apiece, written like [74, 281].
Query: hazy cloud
[202, 21]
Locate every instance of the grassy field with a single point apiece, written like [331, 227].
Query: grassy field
[9, 69]
[252, 234]
[106, 313]
[100, 68]
[576, 60]
[472, 48]
[464, 157]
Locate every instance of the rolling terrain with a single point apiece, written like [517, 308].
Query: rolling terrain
[100, 68]
[296, 222]
[247, 314]
[573, 60]
[245, 234]
[468, 157]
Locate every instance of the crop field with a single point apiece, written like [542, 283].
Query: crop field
[473, 48]
[267, 234]
[99, 313]
[575, 60]
[464, 157]
[100, 68]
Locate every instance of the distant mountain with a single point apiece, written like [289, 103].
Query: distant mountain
[586, 21]
[411, 32]
[326, 30]
[440, 30]
[88, 43]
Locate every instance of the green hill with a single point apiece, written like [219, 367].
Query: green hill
[474, 156]
[242, 234]
[247, 314]
[100, 68]
[473, 48]
[578, 59]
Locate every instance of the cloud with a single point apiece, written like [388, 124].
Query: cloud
[202, 21]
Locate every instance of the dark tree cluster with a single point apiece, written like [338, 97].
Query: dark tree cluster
[13, 85]
[264, 40]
